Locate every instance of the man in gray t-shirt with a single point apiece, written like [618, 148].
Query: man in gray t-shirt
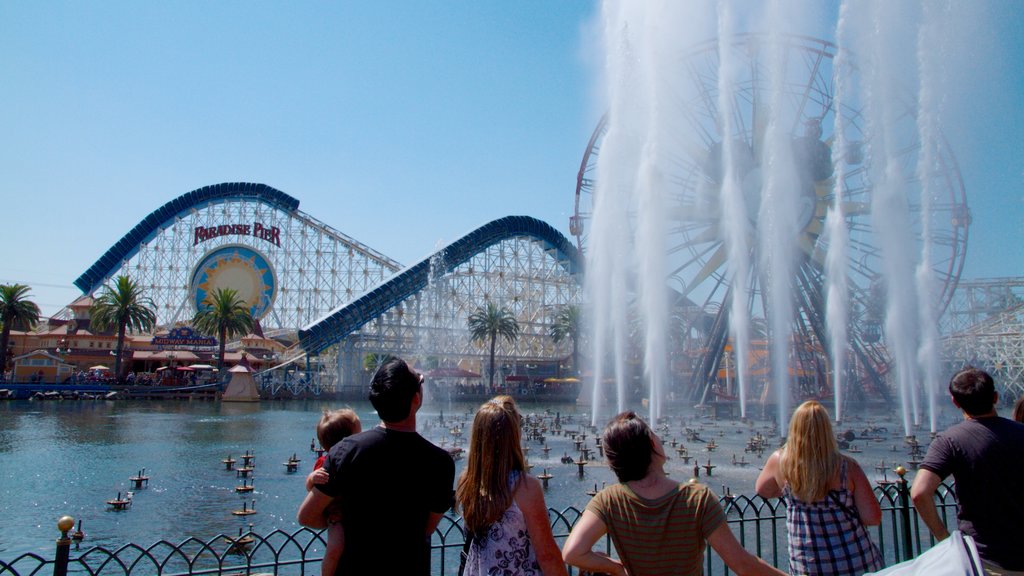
[985, 456]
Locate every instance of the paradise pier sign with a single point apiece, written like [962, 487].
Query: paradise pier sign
[271, 234]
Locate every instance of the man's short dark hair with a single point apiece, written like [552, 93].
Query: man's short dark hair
[628, 445]
[973, 390]
[393, 388]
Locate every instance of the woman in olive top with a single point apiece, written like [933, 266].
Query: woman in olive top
[659, 526]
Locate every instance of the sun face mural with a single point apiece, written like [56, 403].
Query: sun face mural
[239, 268]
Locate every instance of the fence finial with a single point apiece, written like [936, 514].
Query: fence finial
[60, 564]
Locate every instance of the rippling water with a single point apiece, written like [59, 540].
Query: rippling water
[68, 458]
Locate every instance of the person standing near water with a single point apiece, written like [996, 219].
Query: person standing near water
[502, 507]
[829, 501]
[393, 485]
[985, 455]
[658, 525]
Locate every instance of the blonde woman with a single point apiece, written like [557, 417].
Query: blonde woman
[503, 508]
[829, 500]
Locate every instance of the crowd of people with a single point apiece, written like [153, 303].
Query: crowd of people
[382, 492]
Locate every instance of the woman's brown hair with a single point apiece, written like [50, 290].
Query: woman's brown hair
[483, 492]
[628, 444]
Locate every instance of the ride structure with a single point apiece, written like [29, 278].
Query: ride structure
[984, 327]
[517, 262]
[289, 266]
[334, 302]
[810, 109]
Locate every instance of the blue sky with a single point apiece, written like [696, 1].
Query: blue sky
[403, 124]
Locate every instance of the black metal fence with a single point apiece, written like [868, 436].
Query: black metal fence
[759, 524]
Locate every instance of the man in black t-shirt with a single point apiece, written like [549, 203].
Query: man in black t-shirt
[985, 455]
[393, 485]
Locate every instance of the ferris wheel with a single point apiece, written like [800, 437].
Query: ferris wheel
[698, 253]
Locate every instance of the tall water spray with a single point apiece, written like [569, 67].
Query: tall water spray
[627, 251]
[777, 218]
[610, 250]
[651, 222]
[890, 210]
[750, 160]
[837, 295]
[734, 212]
[653, 295]
[931, 55]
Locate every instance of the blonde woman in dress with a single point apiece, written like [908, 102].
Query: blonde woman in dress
[502, 507]
[829, 501]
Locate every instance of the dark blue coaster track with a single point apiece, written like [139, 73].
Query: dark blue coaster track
[348, 318]
[145, 230]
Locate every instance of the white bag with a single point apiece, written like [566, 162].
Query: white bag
[954, 556]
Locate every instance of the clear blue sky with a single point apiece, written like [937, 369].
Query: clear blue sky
[403, 124]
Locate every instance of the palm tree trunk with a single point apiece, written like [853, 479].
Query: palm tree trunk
[494, 340]
[220, 355]
[117, 355]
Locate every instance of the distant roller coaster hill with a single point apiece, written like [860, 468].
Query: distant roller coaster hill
[309, 283]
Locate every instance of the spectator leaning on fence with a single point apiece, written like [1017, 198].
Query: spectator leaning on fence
[658, 525]
[829, 501]
[985, 456]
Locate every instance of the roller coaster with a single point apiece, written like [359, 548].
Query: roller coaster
[337, 303]
[333, 300]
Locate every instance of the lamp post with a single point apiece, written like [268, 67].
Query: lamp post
[170, 366]
[62, 350]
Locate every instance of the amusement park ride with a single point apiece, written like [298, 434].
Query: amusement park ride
[334, 301]
[699, 258]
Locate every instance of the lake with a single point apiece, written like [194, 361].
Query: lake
[69, 457]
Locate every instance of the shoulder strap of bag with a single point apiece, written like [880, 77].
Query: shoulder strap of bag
[851, 513]
[832, 494]
[465, 552]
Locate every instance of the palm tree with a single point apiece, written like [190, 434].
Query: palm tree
[226, 314]
[15, 310]
[488, 322]
[373, 360]
[123, 306]
[567, 324]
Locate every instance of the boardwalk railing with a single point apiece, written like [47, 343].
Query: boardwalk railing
[759, 524]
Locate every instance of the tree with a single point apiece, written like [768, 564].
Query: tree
[488, 322]
[373, 360]
[225, 314]
[567, 324]
[122, 306]
[15, 310]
